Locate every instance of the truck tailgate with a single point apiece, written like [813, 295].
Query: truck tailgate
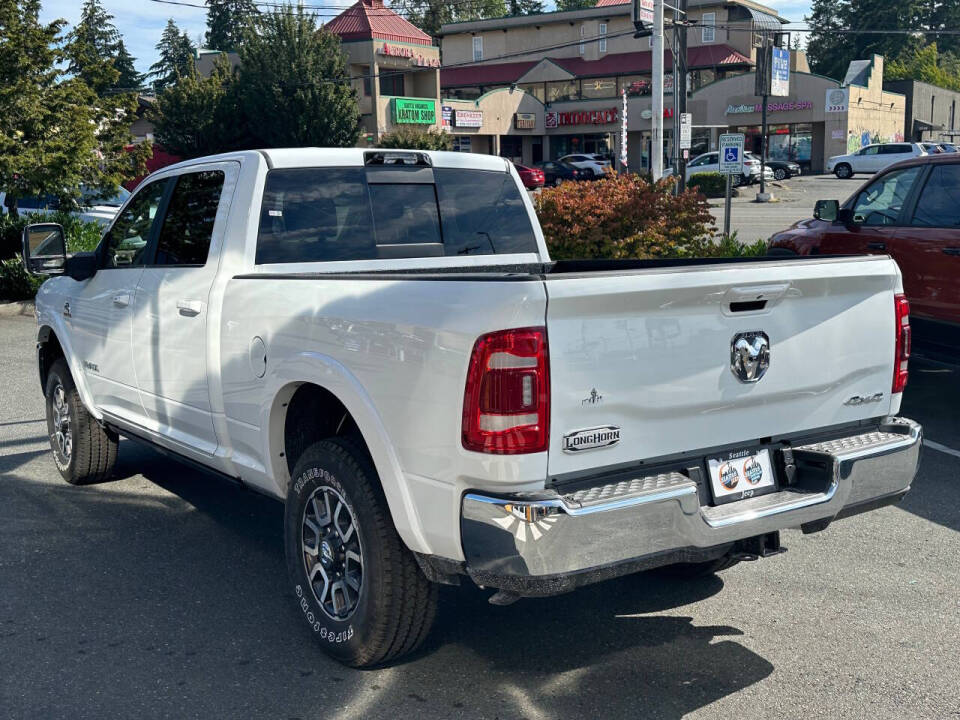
[648, 352]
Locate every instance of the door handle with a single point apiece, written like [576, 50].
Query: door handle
[952, 251]
[121, 300]
[189, 308]
[876, 246]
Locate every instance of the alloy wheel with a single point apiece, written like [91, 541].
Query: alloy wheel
[332, 554]
[62, 430]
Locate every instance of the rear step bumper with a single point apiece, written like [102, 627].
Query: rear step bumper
[550, 543]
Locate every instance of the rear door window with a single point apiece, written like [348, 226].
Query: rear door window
[939, 201]
[897, 149]
[188, 225]
[324, 214]
[315, 214]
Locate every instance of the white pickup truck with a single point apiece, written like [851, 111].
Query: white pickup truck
[380, 340]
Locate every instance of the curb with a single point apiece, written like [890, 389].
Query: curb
[21, 308]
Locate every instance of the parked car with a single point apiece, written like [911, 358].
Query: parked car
[872, 158]
[932, 148]
[710, 162]
[949, 147]
[556, 173]
[784, 169]
[532, 178]
[910, 211]
[92, 207]
[590, 163]
[439, 405]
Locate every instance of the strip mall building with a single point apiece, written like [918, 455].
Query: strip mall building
[568, 99]
[499, 92]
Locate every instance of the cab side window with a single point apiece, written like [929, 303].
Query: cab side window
[188, 225]
[125, 244]
[882, 201]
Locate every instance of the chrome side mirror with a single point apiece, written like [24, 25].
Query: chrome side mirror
[44, 249]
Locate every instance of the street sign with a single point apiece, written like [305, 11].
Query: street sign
[780, 72]
[731, 154]
[643, 11]
[686, 126]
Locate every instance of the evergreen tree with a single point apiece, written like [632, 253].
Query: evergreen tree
[575, 4]
[524, 7]
[296, 74]
[880, 14]
[199, 116]
[430, 15]
[91, 48]
[176, 57]
[827, 51]
[226, 22]
[55, 133]
[129, 78]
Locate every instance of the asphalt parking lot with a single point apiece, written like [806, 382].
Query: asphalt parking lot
[795, 198]
[163, 594]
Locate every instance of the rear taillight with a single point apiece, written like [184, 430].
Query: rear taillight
[901, 311]
[507, 397]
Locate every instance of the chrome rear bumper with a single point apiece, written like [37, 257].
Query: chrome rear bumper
[551, 542]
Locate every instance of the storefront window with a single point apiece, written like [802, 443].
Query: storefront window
[635, 85]
[802, 143]
[598, 88]
[535, 89]
[563, 90]
[391, 83]
[778, 144]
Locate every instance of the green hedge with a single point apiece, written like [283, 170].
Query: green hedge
[15, 283]
[711, 184]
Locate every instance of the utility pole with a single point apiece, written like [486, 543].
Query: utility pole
[677, 78]
[681, 58]
[656, 123]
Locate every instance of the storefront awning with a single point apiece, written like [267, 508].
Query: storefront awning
[764, 21]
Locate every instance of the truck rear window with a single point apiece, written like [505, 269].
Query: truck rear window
[324, 214]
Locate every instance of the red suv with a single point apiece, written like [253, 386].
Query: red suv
[910, 211]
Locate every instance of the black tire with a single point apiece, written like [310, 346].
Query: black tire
[691, 571]
[779, 174]
[843, 171]
[395, 605]
[83, 451]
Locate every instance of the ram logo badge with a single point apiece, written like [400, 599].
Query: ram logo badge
[749, 356]
[591, 439]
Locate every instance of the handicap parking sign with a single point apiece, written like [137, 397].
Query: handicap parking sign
[731, 153]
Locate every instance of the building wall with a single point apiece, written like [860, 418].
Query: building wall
[513, 36]
[928, 104]
[875, 115]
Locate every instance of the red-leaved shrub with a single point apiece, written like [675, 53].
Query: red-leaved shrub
[624, 216]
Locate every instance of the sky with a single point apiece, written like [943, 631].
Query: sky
[142, 21]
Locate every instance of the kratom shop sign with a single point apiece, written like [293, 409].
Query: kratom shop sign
[412, 111]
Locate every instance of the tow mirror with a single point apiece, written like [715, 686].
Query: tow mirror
[44, 249]
[826, 210]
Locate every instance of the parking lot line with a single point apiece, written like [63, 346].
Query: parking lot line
[942, 448]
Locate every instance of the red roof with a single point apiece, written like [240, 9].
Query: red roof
[617, 64]
[369, 19]
[608, 3]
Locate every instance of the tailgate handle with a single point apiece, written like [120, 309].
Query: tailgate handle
[952, 250]
[876, 246]
[755, 294]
